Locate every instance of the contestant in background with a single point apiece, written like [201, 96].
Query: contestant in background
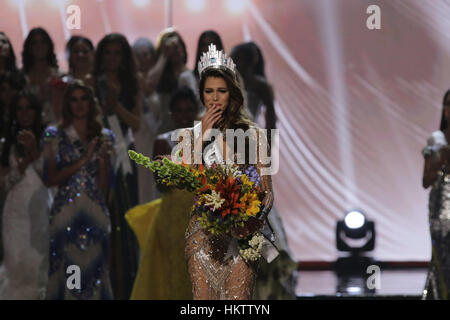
[80, 56]
[117, 87]
[164, 78]
[77, 162]
[436, 174]
[40, 67]
[160, 224]
[23, 274]
[11, 82]
[146, 57]
[7, 56]
[278, 279]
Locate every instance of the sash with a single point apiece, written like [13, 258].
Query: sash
[121, 145]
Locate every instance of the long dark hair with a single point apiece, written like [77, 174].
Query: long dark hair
[95, 125]
[37, 126]
[183, 93]
[444, 123]
[15, 79]
[217, 41]
[234, 115]
[127, 70]
[243, 55]
[72, 41]
[168, 81]
[259, 66]
[27, 55]
[11, 60]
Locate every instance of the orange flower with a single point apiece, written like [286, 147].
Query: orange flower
[204, 188]
[230, 192]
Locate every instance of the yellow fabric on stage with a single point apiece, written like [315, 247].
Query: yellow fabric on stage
[140, 218]
[160, 226]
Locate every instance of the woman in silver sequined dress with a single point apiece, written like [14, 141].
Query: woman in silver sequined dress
[437, 175]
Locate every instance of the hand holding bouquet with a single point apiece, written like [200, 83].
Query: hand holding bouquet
[227, 200]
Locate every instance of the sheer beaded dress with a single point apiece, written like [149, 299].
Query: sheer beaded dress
[215, 274]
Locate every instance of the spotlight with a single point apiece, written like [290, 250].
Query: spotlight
[354, 219]
[355, 233]
[354, 290]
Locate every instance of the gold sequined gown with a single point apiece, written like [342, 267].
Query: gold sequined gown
[214, 274]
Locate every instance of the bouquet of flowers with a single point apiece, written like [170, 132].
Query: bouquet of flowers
[225, 197]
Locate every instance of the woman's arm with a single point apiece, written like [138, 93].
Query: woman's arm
[430, 171]
[103, 159]
[131, 118]
[154, 74]
[56, 177]
[103, 167]
[434, 161]
[31, 152]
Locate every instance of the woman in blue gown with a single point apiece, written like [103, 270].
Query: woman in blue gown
[76, 157]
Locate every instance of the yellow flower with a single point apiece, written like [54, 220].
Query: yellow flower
[214, 178]
[250, 204]
[197, 173]
[245, 180]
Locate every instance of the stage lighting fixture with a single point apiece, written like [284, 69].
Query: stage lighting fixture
[356, 236]
[355, 233]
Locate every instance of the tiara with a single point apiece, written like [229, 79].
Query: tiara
[215, 59]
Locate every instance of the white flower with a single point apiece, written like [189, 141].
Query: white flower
[213, 200]
[254, 252]
[231, 170]
[256, 241]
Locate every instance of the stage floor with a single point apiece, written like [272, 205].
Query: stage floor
[397, 283]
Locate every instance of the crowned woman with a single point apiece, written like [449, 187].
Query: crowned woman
[216, 268]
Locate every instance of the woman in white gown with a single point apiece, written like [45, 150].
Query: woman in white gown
[23, 274]
[145, 55]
